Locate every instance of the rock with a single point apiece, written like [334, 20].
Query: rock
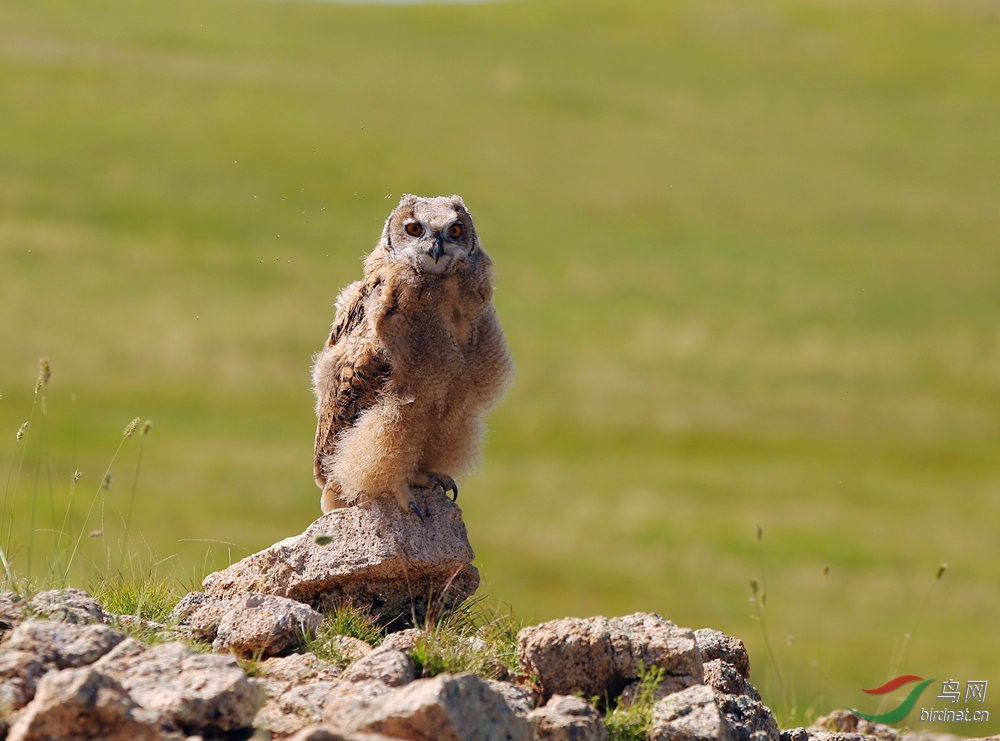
[66, 605]
[387, 665]
[197, 692]
[404, 640]
[264, 625]
[296, 708]
[844, 721]
[802, 734]
[198, 615]
[446, 708]
[598, 656]
[689, 715]
[63, 645]
[11, 610]
[348, 703]
[36, 647]
[566, 718]
[349, 647]
[389, 561]
[83, 704]
[520, 698]
[726, 679]
[323, 733]
[748, 718]
[714, 644]
[298, 687]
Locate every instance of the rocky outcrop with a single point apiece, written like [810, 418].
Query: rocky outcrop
[66, 605]
[600, 656]
[374, 555]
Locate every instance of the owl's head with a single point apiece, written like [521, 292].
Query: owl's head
[432, 234]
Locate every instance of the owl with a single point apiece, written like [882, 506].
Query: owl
[415, 358]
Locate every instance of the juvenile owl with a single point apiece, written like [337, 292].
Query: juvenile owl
[415, 358]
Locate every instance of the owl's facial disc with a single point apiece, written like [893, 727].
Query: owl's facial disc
[435, 246]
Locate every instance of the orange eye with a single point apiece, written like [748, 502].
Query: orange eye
[414, 229]
[455, 231]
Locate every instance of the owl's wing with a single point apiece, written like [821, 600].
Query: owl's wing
[358, 371]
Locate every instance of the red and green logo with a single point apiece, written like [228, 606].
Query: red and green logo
[901, 711]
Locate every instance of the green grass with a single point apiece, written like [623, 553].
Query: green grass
[746, 259]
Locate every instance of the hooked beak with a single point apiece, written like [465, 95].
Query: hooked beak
[437, 250]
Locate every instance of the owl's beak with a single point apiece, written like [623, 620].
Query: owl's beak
[437, 250]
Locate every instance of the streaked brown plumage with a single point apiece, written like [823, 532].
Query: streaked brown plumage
[415, 358]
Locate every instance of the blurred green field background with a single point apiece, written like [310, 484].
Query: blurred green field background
[747, 258]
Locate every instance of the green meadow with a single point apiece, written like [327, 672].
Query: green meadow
[747, 258]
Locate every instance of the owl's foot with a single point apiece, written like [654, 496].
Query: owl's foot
[406, 501]
[438, 482]
[330, 499]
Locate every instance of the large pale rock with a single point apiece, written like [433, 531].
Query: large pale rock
[599, 656]
[197, 692]
[66, 605]
[689, 715]
[392, 562]
[566, 718]
[83, 704]
[264, 625]
[445, 708]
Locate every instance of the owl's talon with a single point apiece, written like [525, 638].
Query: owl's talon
[453, 488]
[414, 510]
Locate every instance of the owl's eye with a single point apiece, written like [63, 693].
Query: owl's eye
[414, 229]
[455, 231]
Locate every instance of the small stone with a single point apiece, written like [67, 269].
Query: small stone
[66, 605]
[748, 718]
[600, 656]
[844, 721]
[264, 625]
[349, 647]
[83, 704]
[387, 665]
[199, 615]
[296, 708]
[404, 640]
[280, 673]
[324, 733]
[348, 703]
[567, 718]
[714, 644]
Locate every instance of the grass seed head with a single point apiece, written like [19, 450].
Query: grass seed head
[76, 475]
[146, 426]
[21, 430]
[131, 427]
[44, 371]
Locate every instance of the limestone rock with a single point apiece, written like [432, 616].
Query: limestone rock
[66, 605]
[446, 708]
[599, 656]
[264, 625]
[387, 665]
[567, 718]
[714, 644]
[83, 704]
[380, 557]
[198, 692]
[689, 715]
